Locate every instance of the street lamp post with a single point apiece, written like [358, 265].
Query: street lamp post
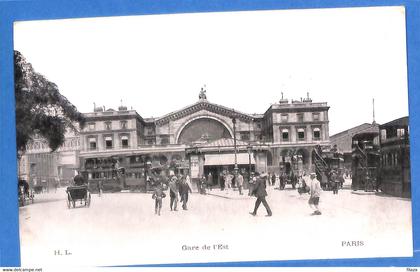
[249, 160]
[234, 146]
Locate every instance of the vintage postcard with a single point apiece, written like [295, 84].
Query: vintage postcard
[213, 137]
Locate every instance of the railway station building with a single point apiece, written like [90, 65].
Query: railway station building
[201, 138]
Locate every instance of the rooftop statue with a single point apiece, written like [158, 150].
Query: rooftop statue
[202, 94]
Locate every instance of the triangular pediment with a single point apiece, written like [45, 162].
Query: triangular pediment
[203, 105]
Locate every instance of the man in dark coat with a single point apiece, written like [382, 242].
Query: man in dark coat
[184, 189]
[173, 193]
[273, 179]
[260, 193]
[334, 182]
[78, 180]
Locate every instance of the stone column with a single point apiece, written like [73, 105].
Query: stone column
[100, 142]
[310, 167]
[116, 141]
[293, 134]
[326, 135]
[308, 133]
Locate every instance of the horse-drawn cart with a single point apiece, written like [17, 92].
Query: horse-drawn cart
[78, 194]
[25, 194]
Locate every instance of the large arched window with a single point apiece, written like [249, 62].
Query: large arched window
[203, 129]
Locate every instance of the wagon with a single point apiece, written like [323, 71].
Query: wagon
[78, 194]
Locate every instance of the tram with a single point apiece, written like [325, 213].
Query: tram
[365, 161]
[132, 173]
[327, 159]
[103, 174]
[395, 177]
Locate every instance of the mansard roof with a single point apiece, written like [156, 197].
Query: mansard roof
[203, 104]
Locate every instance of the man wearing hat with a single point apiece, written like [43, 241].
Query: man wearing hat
[184, 189]
[78, 179]
[173, 193]
[260, 192]
[315, 192]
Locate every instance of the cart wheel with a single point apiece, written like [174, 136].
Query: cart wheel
[74, 204]
[68, 203]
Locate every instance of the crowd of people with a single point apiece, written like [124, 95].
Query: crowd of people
[179, 187]
[227, 181]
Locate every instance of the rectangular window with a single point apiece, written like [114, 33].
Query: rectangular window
[301, 134]
[91, 126]
[108, 125]
[124, 141]
[316, 133]
[300, 117]
[285, 135]
[400, 132]
[284, 118]
[383, 134]
[92, 143]
[108, 142]
[123, 124]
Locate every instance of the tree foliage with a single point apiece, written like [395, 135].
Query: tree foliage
[40, 108]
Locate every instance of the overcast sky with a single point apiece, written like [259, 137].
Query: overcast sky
[158, 63]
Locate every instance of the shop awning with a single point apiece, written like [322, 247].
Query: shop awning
[227, 159]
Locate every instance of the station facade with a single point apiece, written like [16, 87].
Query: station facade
[201, 138]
